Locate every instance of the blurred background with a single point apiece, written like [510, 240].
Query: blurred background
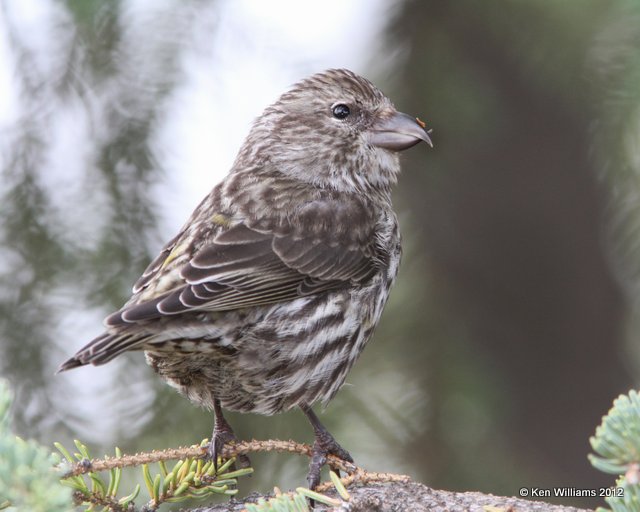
[515, 320]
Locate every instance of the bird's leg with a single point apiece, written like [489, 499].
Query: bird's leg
[223, 435]
[323, 445]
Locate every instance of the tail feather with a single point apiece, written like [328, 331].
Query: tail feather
[103, 349]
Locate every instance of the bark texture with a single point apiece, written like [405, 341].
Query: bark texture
[416, 497]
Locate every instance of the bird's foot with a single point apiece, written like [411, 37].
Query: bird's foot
[323, 446]
[222, 436]
[219, 440]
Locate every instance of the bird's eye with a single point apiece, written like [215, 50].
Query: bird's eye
[341, 111]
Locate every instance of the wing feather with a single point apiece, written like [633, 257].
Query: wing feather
[244, 267]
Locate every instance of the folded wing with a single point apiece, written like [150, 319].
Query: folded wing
[244, 267]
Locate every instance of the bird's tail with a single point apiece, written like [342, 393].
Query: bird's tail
[103, 349]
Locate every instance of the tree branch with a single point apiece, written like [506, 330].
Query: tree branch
[415, 497]
[369, 492]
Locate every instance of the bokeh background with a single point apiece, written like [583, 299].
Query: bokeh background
[514, 323]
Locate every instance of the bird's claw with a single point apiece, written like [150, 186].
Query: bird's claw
[323, 446]
[222, 437]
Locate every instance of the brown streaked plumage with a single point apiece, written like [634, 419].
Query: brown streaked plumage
[266, 297]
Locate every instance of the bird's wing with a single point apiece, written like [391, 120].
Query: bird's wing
[244, 267]
[167, 254]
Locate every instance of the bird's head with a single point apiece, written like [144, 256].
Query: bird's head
[334, 130]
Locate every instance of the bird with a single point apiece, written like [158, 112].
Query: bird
[268, 294]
